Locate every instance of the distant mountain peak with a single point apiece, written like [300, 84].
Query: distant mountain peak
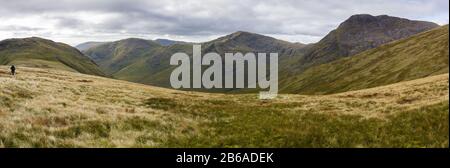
[362, 32]
[242, 34]
[382, 21]
[361, 16]
[35, 38]
[29, 39]
[370, 17]
[361, 19]
[133, 39]
[168, 42]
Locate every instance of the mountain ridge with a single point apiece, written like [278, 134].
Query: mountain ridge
[40, 52]
[168, 42]
[147, 61]
[421, 55]
[356, 34]
[359, 33]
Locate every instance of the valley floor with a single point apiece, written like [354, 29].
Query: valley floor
[50, 108]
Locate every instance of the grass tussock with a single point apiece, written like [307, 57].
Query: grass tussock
[49, 108]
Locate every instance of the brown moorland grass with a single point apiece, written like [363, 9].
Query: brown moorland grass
[51, 108]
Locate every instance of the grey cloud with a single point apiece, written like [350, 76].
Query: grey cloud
[18, 28]
[209, 18]
[69, 22]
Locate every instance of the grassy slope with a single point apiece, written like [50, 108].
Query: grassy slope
[114, 56]
[419, 56]
[37, 52]
[155, 68]
[49, 108]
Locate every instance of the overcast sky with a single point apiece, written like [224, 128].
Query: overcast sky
[77, 21]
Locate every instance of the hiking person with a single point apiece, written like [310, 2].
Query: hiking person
[13, 70]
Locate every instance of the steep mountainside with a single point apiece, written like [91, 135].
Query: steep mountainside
[419, 56]
[359, 33]
[38, 52]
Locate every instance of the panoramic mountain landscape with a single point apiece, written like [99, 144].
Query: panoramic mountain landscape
[148, 63]
[373, 81]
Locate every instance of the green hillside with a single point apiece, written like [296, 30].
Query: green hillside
[38, 52]
[153, 69]
[152, 66]
[53, 108]
[419, 56]
[113, 56]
